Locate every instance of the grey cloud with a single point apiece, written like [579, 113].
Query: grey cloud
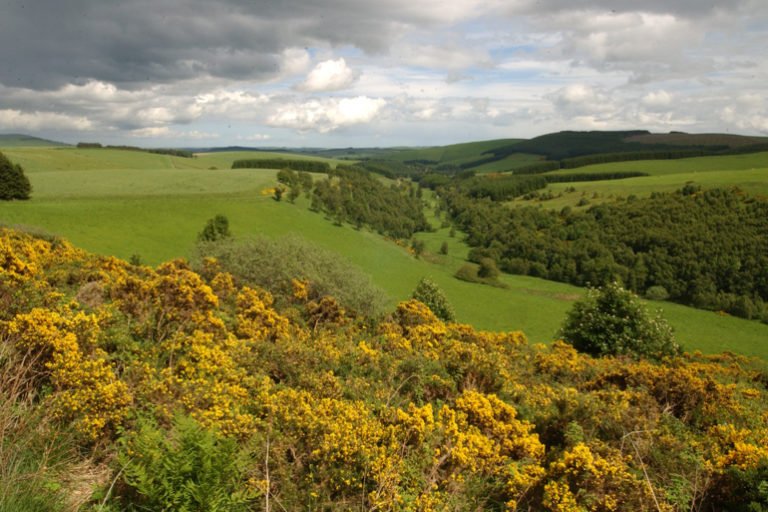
[682, 8]
[47, 43]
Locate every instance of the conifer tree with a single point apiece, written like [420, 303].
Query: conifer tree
[13, 183]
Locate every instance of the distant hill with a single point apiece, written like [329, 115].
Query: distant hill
[15, 140]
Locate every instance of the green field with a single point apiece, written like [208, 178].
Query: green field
[133, 203]
[702, 164]
[748, 172]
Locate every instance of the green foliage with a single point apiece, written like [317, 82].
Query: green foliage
[417, 246]
[500, 187]
[430, 294]
[471, 273]
[657, 292]
[282, 163]
[568, 144]
[708, 249]
[488, 269]
[215, 229]
[296, 182]
[181, 153]
[355, 196]
[612, 321]
[187, 469]
[594, 176]
[34, 452]
[272, 264]
[13, 183]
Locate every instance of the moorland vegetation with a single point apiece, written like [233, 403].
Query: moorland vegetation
[126, 387]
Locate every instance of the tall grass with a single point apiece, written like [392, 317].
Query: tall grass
[34, 454]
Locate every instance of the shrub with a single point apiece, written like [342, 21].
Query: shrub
[657, 293]
[215, 229]
[13, 183]
[612, 321]
[433, 297]
[273, 263]
[488, 269]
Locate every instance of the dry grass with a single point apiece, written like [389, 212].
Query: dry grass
[34, 453]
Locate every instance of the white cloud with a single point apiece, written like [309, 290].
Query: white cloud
[657, 99]
[329, 75]
[294, 61]
[582, 100]
[327, 114]
[154, 131]
[164, 132]
[256, 137]
[11, 119]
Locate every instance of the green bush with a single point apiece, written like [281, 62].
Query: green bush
[184, 470]
[612, 321]
[215, 229]
[657, 293]
[430, 294]
[13, 183]
[272, 263]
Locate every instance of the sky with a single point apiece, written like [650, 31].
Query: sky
[355, 73]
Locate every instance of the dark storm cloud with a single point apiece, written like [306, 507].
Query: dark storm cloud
[47, 43]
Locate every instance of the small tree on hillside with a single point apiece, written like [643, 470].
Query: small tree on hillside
[13, 183]
[216, 228]
[613, 321]
[432, 296]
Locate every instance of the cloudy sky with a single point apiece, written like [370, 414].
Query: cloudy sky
[337, 73]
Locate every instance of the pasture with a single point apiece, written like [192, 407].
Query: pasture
[128, 203]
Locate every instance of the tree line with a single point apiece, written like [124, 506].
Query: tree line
[282, 163]
[353, 195]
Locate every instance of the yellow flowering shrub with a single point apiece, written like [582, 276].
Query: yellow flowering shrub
[346, 450]
[406, 414]
[200, 375]
[257, 319]
[171, 299]
[85, 388]
[583, 479]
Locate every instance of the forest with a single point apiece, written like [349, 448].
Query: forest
[706, 248]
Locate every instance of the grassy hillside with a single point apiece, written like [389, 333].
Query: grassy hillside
[453, 154]
[131, 203]
[20, 140]
[684, 165]
[748, 172]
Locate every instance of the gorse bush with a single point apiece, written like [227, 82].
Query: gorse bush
[612, 321]
[215, 396]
